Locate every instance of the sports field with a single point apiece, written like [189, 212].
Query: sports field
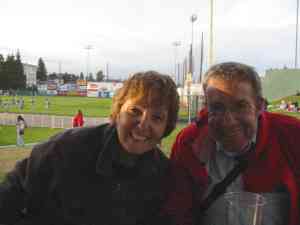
[59, 105]
[32, 134]
[63, 106]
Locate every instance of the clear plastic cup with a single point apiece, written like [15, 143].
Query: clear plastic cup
[244, 208]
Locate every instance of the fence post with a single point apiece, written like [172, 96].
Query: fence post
[52, 121]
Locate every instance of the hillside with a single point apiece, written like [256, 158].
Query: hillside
[278, 83]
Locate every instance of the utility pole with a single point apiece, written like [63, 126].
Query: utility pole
[107, 71]
[296, 46]
[59, 67]
[211, 34]
[88, 48]
[201, 59]
[176, 44]
[193, 19]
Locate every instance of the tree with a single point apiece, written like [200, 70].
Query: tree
[67, 77]
[90, 77]
[81, 77]
[52, 76]
[100, 76]
[1, 71]
[41, 73]
[20, 75]
[9, 73]
[12, 75]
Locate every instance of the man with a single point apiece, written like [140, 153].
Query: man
[233, 125]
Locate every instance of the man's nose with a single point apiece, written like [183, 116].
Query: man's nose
[229, 115]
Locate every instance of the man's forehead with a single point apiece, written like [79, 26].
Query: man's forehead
[228, 85]
[235, 89]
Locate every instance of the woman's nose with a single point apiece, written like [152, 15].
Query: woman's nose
[144, 121]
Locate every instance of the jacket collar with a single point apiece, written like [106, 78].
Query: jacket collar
[148, 163]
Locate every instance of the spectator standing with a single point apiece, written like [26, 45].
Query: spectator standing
[47, 103]
[78, 119]
[20, 127]
[283, 105]
[21, 103]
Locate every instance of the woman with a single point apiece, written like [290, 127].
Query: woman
[110, 174]
[20, 127]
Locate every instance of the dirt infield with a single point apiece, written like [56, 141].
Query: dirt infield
[9, 157]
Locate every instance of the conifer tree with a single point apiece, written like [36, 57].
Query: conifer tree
[20, 76]
[41, 73]
[1, 71]
[81, 76]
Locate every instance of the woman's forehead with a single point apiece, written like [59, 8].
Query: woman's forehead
[149, 101]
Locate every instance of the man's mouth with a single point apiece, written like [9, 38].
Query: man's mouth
[231, 132]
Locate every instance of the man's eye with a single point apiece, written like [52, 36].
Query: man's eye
[157, 118]
[216, 108]
[242, 106]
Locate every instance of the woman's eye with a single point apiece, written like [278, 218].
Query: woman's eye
[134, 111]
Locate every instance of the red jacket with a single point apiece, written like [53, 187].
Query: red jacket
[78, 120]
[278, 139]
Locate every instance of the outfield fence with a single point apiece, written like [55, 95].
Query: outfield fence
[52, 121]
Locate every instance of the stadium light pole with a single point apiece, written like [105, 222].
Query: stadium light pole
[211, 37]
[201, 59]
[88, 48]
[296, 45]
[176, 44]
[193, 19]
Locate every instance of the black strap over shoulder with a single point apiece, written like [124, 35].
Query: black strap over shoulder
[220, 188]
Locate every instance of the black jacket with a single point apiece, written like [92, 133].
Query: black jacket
[74, 178]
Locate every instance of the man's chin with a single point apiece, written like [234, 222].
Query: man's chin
[232, 146]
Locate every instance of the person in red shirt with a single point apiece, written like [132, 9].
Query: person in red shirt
[78, 119]
[231, 126]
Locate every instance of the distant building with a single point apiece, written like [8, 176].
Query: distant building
[103, 89]
[30, 73]
[278, 83]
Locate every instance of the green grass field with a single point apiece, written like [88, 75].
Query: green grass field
[61, 105]
[275, 104]
[32, 134]
[66, 106]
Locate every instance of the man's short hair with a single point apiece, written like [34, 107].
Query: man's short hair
[234, 71]
[151, 86]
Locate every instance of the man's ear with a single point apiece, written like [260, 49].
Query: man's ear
[260, 104]
[204, 101]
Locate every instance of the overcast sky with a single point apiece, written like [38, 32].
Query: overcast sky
[134, 35]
